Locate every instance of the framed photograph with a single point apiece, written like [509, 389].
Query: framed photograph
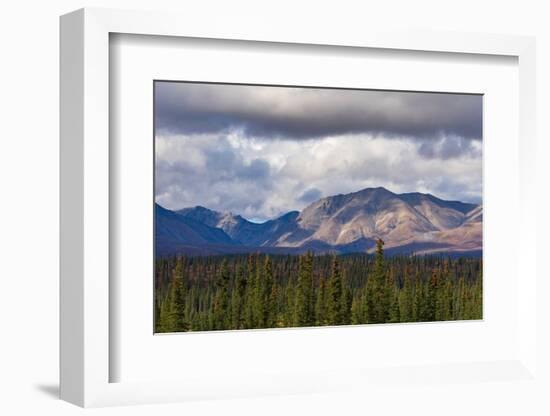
[279, 207]
[258, 214]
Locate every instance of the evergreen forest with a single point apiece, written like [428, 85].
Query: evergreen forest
[254, 291]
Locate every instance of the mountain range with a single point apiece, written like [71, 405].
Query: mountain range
[346, 223]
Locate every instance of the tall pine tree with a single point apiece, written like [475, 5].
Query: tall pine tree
[304, 313]
[238, 300]
[321, 304]
[221, 298]
[269, 295]
[335, 310]
[377, 289]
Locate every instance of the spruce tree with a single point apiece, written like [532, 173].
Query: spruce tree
[165, 320]
[460, 299]
[290, 301]
[377, 291]
[347, 298]
[235, 292]
[179, 321]
[321, 304]
[259, 296]
[406, 299]
[238, 300]
[250, 293]
[304, 314]
[419, 303]
[395, 314]
[269, 295]
[335, 314]
[221, 298]
[443, 304]
[359, 308]
[273, 309]
[431, 297]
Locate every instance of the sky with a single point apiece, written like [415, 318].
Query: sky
[261, 151]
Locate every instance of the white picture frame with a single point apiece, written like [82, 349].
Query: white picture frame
[85, 211]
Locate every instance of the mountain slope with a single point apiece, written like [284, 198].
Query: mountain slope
[370, 213]
[242, 230]
[172, 231]
[410, 222]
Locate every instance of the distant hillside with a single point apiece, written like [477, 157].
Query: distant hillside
[409, 222]
[176, 233]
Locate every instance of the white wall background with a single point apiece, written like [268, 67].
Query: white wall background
[29, 182]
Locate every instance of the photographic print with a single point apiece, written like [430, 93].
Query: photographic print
[279, 206]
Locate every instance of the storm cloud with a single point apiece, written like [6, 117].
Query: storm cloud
[307, 113]
[263, 151]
